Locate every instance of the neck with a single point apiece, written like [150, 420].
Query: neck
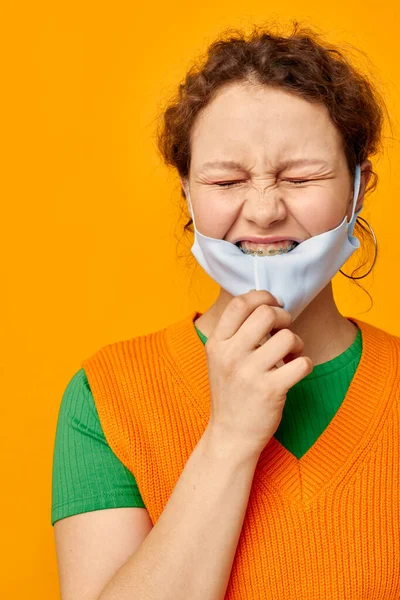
[321, 315]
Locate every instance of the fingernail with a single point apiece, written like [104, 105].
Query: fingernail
[279, 300]
[252, 290]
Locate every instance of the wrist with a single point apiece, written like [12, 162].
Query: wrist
[221, 447]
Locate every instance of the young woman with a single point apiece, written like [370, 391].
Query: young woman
[250, 451]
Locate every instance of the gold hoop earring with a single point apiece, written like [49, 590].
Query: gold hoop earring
[376, 252]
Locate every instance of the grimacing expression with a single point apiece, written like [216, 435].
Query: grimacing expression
[265, 162]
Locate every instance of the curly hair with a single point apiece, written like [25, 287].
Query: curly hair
[301, 63]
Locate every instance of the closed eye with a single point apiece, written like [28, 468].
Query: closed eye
[300, 181]
[226, 184]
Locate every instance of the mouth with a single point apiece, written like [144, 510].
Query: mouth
[283, 247]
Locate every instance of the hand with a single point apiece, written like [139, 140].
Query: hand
[248, 390]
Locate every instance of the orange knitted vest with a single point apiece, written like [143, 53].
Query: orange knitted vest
[326, 526]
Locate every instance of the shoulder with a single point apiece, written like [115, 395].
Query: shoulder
[384, 334]
[120, 357]
[376, 332]
[78, 409]
[77, 388]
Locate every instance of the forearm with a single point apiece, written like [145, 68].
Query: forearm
[190, 550]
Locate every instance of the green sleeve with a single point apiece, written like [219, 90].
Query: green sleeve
[86, 474]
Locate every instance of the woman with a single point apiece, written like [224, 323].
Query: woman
[263, 433]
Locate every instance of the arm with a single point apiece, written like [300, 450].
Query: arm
[190, 550]
[97, 511]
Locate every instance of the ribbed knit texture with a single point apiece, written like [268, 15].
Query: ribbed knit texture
[325, 526]
[88, 476]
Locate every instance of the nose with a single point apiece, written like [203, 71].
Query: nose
[264, 206]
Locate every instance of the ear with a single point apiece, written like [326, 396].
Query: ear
[366, 167]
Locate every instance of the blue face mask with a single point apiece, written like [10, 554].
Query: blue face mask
[296, 277]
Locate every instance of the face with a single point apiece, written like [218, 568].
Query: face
[264, 163]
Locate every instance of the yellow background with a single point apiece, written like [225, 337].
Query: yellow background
[90, 218]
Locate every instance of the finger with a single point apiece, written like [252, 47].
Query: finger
[258, 324]
[237, 311]
[284, 342]
[287, 376]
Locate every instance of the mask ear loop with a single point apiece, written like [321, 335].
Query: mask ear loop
[190, 204]
[357, 183]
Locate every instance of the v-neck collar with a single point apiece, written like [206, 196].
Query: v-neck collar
[341, 443]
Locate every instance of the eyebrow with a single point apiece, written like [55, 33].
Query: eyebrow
[296, 162]
[223, 164]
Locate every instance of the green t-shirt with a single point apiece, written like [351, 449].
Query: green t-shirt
[88, 476]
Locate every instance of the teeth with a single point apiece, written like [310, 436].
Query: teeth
[266, 249]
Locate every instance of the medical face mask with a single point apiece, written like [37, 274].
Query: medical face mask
[296, 277]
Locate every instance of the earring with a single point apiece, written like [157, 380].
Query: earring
[376, 252]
